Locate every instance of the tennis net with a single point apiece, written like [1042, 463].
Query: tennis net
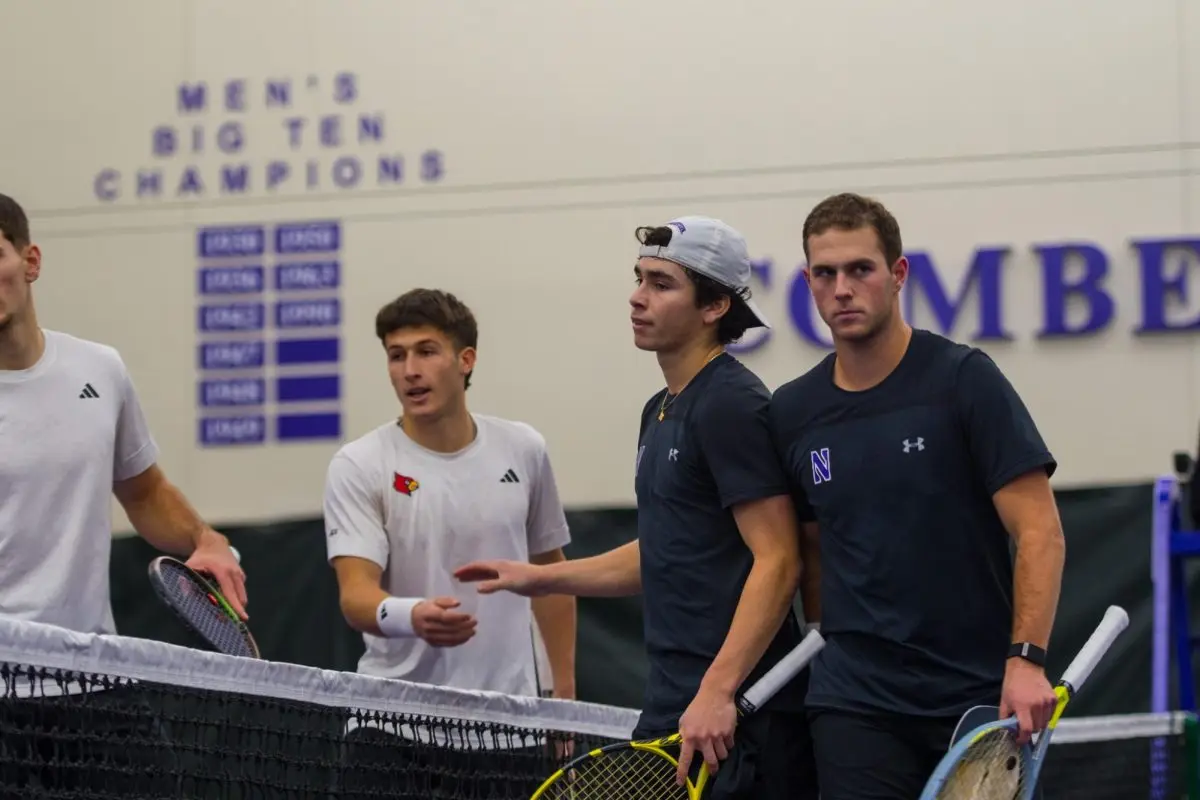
[109, 716]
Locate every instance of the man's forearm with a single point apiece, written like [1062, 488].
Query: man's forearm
[165, 519]
[616, 573]
[766, 597]
[1037, 581]
[556, 619]
[810, 572]
[359, 606]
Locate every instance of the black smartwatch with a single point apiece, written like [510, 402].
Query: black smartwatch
[1030, 652]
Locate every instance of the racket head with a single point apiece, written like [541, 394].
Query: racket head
[199, 604]
[985, 764]
[638, 770]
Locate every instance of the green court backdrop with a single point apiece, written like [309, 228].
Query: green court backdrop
[294, 609]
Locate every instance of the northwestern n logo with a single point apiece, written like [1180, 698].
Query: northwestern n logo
[820, 465]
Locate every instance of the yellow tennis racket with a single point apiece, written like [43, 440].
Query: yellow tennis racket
[645, 770]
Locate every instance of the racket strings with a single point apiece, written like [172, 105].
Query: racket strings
[990, 769]
[626, 774]
[203, 610]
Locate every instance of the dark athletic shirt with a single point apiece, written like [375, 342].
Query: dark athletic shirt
[712, 451]
[916, 566]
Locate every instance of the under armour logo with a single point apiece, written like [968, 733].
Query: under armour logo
[919, 444]
[672, 454]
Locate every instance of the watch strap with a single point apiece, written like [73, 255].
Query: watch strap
[1028, 651]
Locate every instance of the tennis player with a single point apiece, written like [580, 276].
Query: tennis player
[917, 465]
[73, 434]
[412, 499]
[717, 555]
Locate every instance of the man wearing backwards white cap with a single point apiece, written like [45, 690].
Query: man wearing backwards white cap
[717, 555]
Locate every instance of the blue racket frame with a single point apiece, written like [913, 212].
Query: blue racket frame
[1032, 758]
[1115, 621]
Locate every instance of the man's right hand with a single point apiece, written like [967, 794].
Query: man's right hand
[518, 577]
[436, 622]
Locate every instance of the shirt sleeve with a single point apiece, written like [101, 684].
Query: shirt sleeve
[353, 515]
[781, 439]
[735, 436]
[547, 523]
[1003, 439]
[135, 450]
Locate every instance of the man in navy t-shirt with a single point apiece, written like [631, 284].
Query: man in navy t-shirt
[717, 555]
[916, 465]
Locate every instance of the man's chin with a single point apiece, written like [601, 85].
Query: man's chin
[421, 410]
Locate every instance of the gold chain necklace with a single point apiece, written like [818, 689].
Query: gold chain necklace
[664, 405]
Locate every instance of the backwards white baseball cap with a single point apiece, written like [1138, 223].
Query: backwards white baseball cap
[710, 248]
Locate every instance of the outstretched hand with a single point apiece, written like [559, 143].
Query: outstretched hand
[518, 577]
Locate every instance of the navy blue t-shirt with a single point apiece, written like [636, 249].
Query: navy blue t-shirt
[916, 565]
[712, 451]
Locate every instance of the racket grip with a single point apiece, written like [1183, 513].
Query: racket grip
[783, 671]
[236, 555]
[1115, 621]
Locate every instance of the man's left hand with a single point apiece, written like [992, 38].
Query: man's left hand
[214, 557]
[707, 727]
[1028, 695]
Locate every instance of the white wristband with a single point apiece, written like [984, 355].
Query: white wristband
[811, 626]
[394, 616]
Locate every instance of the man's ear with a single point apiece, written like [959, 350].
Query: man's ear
[714, 311]
[466, 360]
[32, 255]
[900, 272]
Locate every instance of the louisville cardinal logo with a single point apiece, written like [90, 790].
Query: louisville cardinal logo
[404, 484]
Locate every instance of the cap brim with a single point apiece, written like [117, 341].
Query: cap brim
[758, 314]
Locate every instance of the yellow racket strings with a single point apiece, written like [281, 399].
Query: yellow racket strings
[626, 774]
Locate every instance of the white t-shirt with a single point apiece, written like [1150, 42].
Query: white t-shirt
[70, 426]
[420, 515]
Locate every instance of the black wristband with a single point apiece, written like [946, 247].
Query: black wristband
[1030, 652]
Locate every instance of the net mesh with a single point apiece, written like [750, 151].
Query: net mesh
[106, 716]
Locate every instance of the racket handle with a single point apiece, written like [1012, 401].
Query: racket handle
[1114, 623]
[236, 555]
[783, 671]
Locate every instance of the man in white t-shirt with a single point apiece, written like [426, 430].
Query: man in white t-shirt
[409, 501]
[72, 434]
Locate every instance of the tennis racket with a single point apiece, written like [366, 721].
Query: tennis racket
[987, 764]
[645, 770]
[200, 605]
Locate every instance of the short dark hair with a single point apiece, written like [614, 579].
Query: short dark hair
[733, 323]
[433, 308]
[848, 211]
[14, 225]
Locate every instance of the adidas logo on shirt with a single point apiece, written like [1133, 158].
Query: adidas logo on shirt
[88, 392]
[510, 477]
